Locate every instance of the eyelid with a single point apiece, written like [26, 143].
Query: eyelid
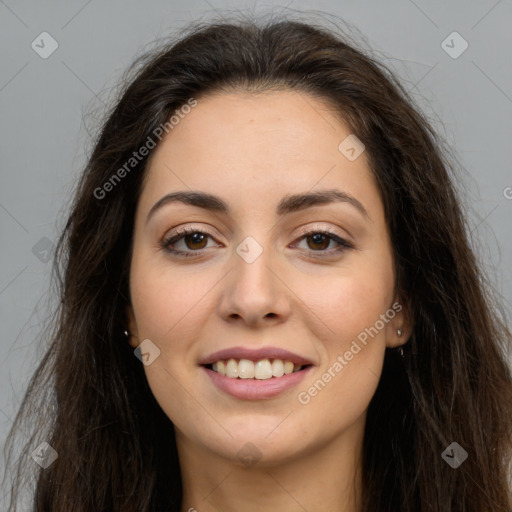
[181, 231]
[318, 227]
[189, 228]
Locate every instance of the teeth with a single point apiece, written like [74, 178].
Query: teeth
[246, 369]
[288, 367]
[232, 369]
[221, 367]
[277, 368]
[262, 370]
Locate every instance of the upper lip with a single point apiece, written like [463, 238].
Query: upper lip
[254, 355]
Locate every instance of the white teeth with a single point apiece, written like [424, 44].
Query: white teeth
[277, 368]
[246, 369]
[288, 367]
[262, 370]
[221, 367]
[232, 369]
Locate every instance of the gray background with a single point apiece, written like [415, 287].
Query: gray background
[49, 107]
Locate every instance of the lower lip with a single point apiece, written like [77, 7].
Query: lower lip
[255, 389]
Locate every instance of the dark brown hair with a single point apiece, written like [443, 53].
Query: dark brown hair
[89, 398]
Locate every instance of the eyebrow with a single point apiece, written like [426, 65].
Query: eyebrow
[288, 204]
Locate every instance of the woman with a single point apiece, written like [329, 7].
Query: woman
[269, 300]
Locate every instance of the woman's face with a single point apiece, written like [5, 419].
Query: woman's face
[255, 285]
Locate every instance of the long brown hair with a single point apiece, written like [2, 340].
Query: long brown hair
[89, 398]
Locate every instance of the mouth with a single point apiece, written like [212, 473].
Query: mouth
[255, 374]
[260, 369]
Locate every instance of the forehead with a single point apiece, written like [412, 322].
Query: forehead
[259, 125]
[261, 145]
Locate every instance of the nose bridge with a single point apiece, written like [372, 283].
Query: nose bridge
[253, 291]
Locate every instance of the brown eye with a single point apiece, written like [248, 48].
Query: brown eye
[320, 241]
[186, 242]
[195, 240]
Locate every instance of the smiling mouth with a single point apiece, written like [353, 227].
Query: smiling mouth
[263, 369]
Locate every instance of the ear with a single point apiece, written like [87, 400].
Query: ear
[400, 326]
[132, 326]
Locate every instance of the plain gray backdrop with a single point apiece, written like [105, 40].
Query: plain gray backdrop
[46, 105]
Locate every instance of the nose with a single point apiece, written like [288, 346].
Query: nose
[255, 293]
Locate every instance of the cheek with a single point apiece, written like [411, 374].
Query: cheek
[345, 302]
[353, 344]
[167, 307]
[166, 299]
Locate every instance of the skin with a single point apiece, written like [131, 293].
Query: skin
[251, 150]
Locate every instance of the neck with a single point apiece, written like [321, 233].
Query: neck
[325, 479]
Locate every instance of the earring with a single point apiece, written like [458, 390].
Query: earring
[400, 350]
[126, 333]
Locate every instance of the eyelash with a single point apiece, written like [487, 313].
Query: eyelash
[181, 233]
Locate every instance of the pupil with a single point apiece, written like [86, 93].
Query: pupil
[317, 239]
[196, 238]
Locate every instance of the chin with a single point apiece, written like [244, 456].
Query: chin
[258, 440]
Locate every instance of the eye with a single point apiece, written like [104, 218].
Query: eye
[194, 239]
[318, 240]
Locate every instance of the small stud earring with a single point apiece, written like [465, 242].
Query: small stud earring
[399, 332]
[127, 334]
